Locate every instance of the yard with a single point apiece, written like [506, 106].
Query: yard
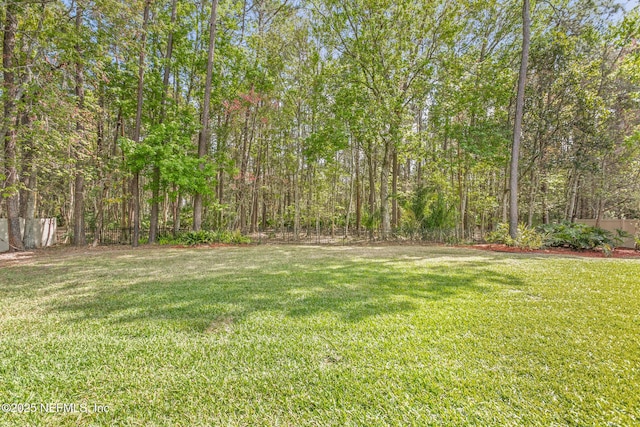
[286, 335]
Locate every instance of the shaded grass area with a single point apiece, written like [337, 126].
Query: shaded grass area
[286, 335]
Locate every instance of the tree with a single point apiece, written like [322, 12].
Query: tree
[517, 127]
[393, 47]
[79, 238]
[12, 195]
[203, 139]
[155, 185]
[135, 182]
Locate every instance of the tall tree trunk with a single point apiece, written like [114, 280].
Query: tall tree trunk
[155, 183]
[600, 204]
[573, 198]
[394, 189]
[79, 238]
[28, 197]
[102, 154]
[358, 191]
[256, 188]
[244, 159]
[204, 132]
[505, 195]
[9, 128]
[135, 182]
[517, 127]
[384, 189]
[545, 207]
[462, 191]
[372, 190]
[533, 186]
[176, 211]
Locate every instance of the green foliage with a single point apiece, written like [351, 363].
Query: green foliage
[166, 240]
[579, 236]
[371, 221]
[204, 237]
[428, 211]
[499, 235]
[324, 143]
[439, 215]
[527, 238]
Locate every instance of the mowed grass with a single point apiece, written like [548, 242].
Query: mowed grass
[321, 336]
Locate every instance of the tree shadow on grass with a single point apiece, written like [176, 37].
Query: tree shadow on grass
[350, 289]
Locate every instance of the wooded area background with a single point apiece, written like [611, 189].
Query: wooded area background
[370, 116]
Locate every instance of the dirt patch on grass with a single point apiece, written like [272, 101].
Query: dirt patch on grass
[219, 325]
[617, 253]
[11, 258]
[61, 251]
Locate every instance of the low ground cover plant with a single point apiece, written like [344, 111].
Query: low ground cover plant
[528, 238]
[579, 236]
[205, 237]
[573, 235]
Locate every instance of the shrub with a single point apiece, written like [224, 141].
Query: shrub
[499, 235]
[166, 240]
[579, 236]
[527, 238]
[201, 237]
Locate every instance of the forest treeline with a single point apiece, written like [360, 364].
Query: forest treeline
[366, 115]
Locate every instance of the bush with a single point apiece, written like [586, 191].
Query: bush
[499, 235]
[166, 240]
[579, 236]
[204, 237]
[528, 238]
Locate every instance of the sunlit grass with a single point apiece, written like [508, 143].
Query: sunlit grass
[339, 336]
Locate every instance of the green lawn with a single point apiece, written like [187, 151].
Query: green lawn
[289, 336]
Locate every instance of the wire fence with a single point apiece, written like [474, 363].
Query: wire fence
[287, 235]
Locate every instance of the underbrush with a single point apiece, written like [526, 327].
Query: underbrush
[566, 234]
[527, 238]
[581, 237]
[204, 237]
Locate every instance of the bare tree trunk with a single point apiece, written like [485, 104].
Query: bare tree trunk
[358, 191]
[533, 185]
[372, 191]
[256, 189]
[600, 192]
[394, 189]
[176, 211]
[29, 182]
[349, 206]
[505, 196]
[517, 128]
[79, 238]
[10, 90]
[104, 180]
[384, 189]
[573, 195]
[461, 192]
[203, 139]
[244, 160]
[545, 207]
[135, 182]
